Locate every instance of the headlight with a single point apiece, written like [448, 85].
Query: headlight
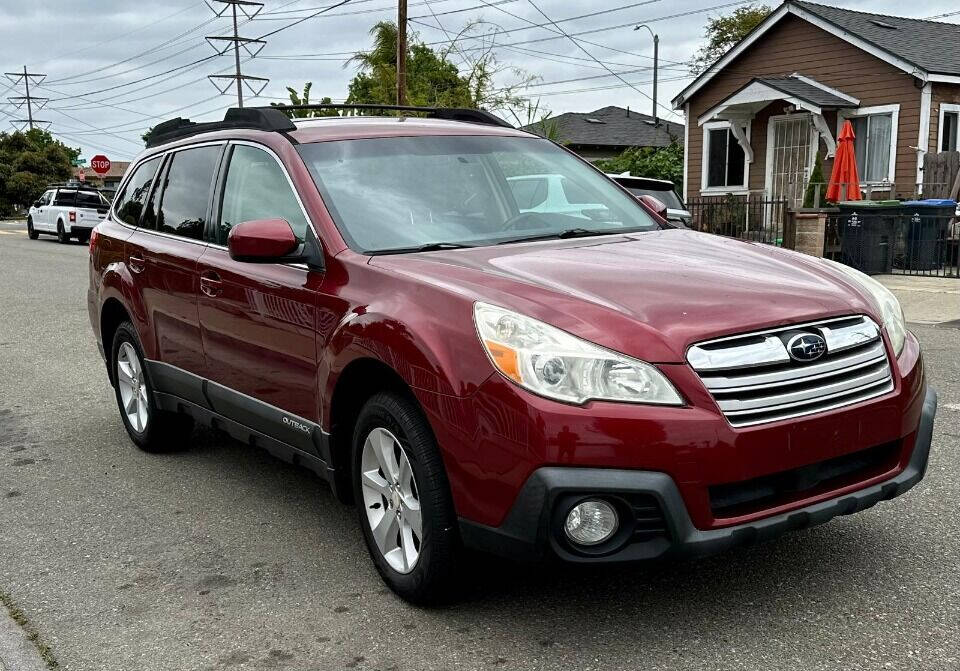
[889, 306]
[555, 364]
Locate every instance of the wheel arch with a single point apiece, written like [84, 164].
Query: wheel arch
[112, 314]
[359, 380]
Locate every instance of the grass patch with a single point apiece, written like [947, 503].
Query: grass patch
[32, 635]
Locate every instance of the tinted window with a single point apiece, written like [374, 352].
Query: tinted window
[65, 198]
[130, 202]
[257, 188]
[186, 192]
[397, 194]
[46, 198]
[89, 199]
[666, 196]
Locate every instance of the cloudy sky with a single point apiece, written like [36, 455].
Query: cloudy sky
[116, 67]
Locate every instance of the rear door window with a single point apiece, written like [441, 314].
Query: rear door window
[257, 188]
[186, 192]
[129, 204]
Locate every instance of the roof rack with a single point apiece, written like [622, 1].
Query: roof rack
[449, 113]
[258, 118]
[273, 119]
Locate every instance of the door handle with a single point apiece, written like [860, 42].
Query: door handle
[210, 284]
[137, 263]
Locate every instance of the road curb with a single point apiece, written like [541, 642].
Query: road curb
[17, 651]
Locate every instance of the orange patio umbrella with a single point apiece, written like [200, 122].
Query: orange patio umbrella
[844, 180]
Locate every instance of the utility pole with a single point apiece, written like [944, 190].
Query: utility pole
[401, 52]
[656, 56]
[28, 100]
[252, 46]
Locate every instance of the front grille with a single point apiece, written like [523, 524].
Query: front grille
[768, 491]
[754, 379]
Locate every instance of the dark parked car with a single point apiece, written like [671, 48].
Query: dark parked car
[661, 189]
[364, 296]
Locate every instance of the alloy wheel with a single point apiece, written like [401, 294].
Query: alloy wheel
[391, 500]
[133, 387]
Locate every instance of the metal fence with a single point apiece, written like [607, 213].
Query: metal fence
[902, 243]
[746, 217]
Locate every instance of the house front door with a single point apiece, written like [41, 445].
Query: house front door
[790, 156]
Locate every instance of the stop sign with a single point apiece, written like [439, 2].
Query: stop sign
[100, 164]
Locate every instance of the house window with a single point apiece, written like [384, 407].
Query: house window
[949, 122]
[726, 166]
[875, 144]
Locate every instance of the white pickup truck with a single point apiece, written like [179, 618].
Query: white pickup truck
[67, 211]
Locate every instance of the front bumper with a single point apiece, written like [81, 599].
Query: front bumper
[532, 529]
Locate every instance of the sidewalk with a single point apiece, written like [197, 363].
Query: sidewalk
[926, 300]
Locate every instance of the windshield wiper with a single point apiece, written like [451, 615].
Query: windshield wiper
[568, 233]
[428, 247]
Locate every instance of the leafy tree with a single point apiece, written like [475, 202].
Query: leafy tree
[29, 161]
[654, 162]
[432, 79]
[723, 32]
[304, 99]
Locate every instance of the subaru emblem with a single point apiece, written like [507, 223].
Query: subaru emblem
[806, 347]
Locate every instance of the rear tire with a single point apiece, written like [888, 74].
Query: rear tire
[150, 428]
[62, 236]
[31, 231]
[401, 490]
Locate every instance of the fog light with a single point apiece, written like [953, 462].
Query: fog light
[591, 522]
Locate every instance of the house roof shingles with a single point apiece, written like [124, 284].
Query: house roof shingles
[931, 45]
[798, 88]
[618, 128]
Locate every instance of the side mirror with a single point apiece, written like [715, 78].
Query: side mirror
[655, 204]
[263, 241]
[38, 203]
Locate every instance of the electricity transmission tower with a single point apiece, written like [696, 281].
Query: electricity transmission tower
[31, 102]
[224, 43]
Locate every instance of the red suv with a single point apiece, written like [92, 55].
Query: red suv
[474, 363]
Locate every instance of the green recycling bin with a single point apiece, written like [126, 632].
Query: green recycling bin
[867, 234]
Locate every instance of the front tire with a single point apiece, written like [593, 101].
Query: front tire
[150, 428]
[403, 499]
[31, 231]
[62, 236]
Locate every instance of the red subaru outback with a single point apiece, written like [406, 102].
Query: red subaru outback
[481, 341]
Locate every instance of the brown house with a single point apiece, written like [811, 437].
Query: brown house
[757, 117]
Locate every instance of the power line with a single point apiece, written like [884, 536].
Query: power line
[27, 99]
[252, 46]
[584, 50]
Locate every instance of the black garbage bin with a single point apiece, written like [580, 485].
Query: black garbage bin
[924, 243]
[867, 230]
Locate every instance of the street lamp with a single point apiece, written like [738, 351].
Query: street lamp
[656, 55]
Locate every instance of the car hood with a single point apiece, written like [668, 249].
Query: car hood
[649, 295]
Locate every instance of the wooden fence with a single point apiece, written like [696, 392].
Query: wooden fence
[941, 175]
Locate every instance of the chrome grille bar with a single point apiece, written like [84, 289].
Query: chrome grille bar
[754, 380]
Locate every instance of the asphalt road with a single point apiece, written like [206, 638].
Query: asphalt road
[220, 557]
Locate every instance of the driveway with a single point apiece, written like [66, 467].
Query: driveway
[220, 557]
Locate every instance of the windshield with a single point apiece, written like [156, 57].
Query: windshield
[666, 196]
[403, 193]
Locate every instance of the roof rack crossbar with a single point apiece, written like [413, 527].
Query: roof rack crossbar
[257, 118]
[449, 113]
